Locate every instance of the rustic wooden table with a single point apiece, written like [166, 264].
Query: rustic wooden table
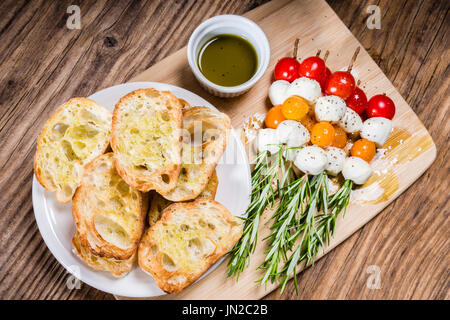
[43, 63]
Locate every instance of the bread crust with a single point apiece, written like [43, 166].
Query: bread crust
[224, 233]
[78, 164]
[100, 188]
[194, 177]
[211, 188]
[117, 268]
[184, 104]
[158, 203]
[163, 178]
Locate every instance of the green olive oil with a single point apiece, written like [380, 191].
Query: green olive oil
[228, 60]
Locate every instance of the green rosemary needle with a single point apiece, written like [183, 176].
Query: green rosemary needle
[265, 185]
[284, 217]
[316, 229]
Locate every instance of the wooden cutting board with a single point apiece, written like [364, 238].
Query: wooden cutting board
[409, 151]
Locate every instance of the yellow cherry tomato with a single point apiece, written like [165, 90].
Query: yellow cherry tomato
[308, 122]
[295, 108]
[340, 138]
[274, 117]
[363, 149]
[322, 134]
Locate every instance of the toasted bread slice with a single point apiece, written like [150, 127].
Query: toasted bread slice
[146, 139]
[108, 213]
[75, 134]
[186, 241]
[159, 203]
[199, 158]
[116, 267]
[211, 188]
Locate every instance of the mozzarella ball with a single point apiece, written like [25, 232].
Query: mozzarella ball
[292, 133]
[336, 158]
[356, 169]
[351, 121]
[277, 92]
[330, 108]
[299, 138]
[305, 88]
[377, 130]
[312, 160]
[291, 153]
[267, 141]
[285, 129]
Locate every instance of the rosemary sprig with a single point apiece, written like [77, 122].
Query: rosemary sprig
[265, 185]
[284, 217]
[316, 229]
[306, 215]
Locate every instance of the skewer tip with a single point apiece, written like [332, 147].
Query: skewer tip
[355, 55]
[297, 41]
[325, 57]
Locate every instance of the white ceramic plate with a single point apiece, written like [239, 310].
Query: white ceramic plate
[55, 220]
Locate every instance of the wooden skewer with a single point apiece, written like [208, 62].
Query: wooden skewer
[353, 59]
[296, 48]
[325, 57]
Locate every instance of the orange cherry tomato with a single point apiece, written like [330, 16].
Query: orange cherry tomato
[322, 134]
[340, 138]
[274, 117]
[308, 122]
[295, 108]
[363, 149]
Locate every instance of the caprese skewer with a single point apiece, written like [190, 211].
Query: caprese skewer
[317, 126]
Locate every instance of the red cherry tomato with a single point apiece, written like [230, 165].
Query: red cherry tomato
[287, 69]
[313, 68]
[341, 84]
[324, 80]
[381, 106]
[357, 101]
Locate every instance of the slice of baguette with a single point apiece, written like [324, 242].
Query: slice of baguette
[116, 267]
[146, 139]
[159, 203]
[75, 134]
[199, 158]
[186, 241]
[211, 188]
[108, 213]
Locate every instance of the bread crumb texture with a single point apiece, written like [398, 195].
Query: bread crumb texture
[146, 133]
[186, 241]
[109, 214]
[205, 134]
[75, 134]
[159, 203]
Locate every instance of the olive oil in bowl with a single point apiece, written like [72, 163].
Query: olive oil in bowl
[227, 60]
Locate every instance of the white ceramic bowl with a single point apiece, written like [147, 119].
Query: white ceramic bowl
[228, 24]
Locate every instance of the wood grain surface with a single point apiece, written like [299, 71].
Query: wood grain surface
[43, 64]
